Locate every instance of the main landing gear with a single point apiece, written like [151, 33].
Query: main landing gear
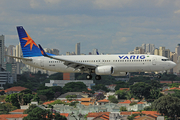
[89, 76]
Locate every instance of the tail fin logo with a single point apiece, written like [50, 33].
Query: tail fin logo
[29, 41]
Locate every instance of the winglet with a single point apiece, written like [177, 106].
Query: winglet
[42, 51]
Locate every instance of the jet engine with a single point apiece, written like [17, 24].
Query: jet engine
[104, 70]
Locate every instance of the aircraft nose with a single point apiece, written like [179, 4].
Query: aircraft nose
[173, 64]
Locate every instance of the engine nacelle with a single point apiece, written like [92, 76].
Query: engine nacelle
[104, 70]
[120, 74]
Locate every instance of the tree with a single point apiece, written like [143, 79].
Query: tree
[155, 94]
[167, 105]
[140, 90]
[37, 113]
[121, 94]
[74, 87]
[99, 87]
[5, 108]
[129, 95]
[47, 92]
[123, 108]
[121, 84]
[113, 99]
[12, 98]
[26, 91]
[31, 107]
[132, 116]
[100, 96]
[155, 84]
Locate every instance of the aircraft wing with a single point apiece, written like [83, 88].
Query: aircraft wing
[70, 63]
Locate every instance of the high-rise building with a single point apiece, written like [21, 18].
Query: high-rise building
[148, 48]
[11, 50]
[77, 50]
[1, 51]
[162, 52]
[18, 52]
[138, 50]
[95, 51]
[177, 50]
[55, 51]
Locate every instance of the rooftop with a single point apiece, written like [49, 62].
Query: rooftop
[18, 110]
[104, 100]
[5, 116]
[97, 114]
[125, 102]
[17, 89]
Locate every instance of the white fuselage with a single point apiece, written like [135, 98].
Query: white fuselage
[120, 63]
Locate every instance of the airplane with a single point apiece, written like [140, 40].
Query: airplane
[115, 65]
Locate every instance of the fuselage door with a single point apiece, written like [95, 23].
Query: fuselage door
[154, 61]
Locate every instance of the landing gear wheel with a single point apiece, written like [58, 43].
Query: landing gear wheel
[97, 77]
[88, 77]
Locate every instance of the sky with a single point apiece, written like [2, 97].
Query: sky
[111, 26]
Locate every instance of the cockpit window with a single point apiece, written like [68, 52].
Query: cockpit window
[165, 60]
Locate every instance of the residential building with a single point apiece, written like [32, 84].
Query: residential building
[17, 111]
[15, 89]
[87, 101]
[110, 93]
[93, 116]
[102, 102]
[139, 106]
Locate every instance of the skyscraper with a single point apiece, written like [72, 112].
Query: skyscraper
[12, 52]
[177, 50]
[1, 50]
[95, 51]
[18, 52]
[77, 50]
[148, 48]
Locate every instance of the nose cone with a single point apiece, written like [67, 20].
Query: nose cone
[172, 64]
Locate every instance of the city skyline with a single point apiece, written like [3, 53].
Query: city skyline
[111, 26]
[94, 51]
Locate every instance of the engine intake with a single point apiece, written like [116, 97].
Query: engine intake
[104, 70]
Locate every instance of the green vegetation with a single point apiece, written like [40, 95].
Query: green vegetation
[5, 108]
[100, 87]
[113, 99]
[40, 114]
[167, 105]
[123, 108]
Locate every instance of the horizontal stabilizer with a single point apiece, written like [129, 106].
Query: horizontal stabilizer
[19, 58]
